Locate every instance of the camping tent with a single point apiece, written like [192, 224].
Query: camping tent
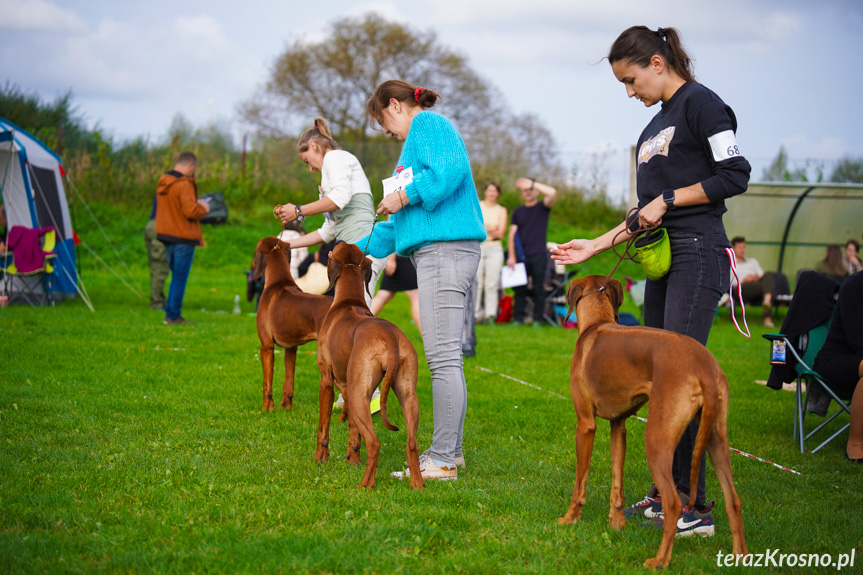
[31, 183]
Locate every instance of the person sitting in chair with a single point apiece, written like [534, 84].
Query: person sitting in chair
[841, 358]
[832, 265]
[757, 286]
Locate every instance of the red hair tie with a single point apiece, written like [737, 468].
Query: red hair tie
[315, 127]
[417, 93]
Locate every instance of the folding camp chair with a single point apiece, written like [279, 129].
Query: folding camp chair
[556, 308]
[808, 346]
[29, 279]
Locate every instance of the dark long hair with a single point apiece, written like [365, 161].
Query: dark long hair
[401, 91]
[638, 45]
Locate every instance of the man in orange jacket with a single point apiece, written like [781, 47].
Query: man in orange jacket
[178, 226]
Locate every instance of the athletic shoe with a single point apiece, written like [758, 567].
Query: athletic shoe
[693, 523]
[374, 407]
[375, 403]
[696, 522]
[648, 507]
[431, 469]
[459, 462]
[339, 403]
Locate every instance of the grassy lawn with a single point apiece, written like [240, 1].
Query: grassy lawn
[130, 446]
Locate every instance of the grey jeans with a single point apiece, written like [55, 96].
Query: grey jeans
[445, 272]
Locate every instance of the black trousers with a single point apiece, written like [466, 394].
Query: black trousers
[536, 266]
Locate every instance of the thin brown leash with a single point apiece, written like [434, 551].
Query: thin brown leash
[634, 235]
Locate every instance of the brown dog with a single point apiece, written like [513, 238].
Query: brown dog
[286, 315]
[355, 351]
[615, 369]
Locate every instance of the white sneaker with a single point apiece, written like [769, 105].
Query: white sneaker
[459, 461]
[431, 469]
[723, 300]
[339, 403]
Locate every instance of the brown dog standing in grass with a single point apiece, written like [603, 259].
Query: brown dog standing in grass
[286, 316]
[355, 351]
[615, 370]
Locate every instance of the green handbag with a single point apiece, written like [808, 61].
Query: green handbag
[653, 250]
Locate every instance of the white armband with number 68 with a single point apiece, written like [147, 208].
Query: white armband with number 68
[724, 145]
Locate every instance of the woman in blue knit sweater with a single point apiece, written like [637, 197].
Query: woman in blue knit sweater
[436, 221]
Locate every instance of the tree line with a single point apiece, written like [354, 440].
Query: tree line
[331, 78]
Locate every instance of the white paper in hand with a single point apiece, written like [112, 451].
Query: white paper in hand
[398, 182]
[513, 277]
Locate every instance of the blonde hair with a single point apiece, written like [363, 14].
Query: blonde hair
[320, 134]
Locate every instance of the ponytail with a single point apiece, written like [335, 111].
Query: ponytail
[320, 134]
[639, 44]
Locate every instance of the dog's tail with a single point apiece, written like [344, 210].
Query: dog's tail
[390, 376]
[712, 397]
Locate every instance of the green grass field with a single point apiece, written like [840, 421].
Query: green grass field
[130, 446]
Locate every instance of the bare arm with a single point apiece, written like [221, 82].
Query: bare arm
[651, 214]
[288, 212]
[549, 194]
[510, 246]
[306, 240]
[580, 250]
[497, 232]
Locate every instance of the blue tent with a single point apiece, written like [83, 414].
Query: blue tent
[31, 184]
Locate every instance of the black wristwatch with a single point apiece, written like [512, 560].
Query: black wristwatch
[300, 217]
[668, 198]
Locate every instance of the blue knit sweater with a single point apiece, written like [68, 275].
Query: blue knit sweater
[444, 206]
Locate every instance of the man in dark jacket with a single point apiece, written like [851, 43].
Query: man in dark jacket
[178, 226]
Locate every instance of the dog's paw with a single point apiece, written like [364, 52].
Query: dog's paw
[616, 522]
[653, 564]
[573, 514]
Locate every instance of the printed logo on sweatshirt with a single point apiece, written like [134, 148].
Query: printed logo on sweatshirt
[657, 145]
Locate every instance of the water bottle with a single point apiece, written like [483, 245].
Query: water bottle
[237, 304]
[777, 352]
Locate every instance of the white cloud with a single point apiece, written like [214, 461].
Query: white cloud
[803, 146]
[126, 60]
[38, 15]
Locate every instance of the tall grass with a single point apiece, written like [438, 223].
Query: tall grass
[129, 446]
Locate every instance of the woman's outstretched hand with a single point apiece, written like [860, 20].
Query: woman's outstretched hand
[573, 252]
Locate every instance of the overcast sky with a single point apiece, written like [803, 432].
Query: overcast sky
[790, 69]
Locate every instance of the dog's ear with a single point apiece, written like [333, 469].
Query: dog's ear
[615, 292]
[285, 247]
[260, 265]
[334, 270]
[572, 294]
[366, 268]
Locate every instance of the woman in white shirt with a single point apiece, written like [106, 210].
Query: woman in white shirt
[345, 196]
[491, 261]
